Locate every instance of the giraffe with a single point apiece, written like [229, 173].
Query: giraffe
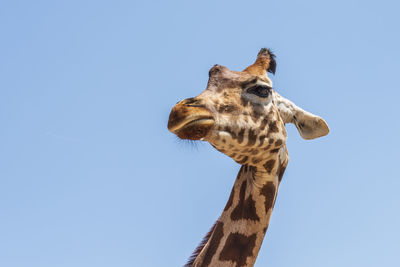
[241, 115]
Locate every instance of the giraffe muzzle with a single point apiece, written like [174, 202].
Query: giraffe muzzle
[190, 120]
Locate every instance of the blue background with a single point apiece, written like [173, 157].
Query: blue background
[90, 175]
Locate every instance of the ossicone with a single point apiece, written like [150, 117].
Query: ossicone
[267, 53]
[264, 63]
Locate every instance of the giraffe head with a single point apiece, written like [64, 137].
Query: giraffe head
[241, 115]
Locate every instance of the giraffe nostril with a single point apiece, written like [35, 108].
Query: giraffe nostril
[193, 102]
[189, 101]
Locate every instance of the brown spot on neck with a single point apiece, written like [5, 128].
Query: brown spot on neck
[269, 165]
[246, 207]
[256, 160]
[238, 248]
[281, 171]
[243, 160]
[268, 191]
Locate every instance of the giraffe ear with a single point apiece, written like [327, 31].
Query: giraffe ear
[309, 125]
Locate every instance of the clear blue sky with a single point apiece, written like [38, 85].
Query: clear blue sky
[90, 176]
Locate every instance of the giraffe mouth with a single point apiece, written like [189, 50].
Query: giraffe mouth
[194, 127]
[197, 121]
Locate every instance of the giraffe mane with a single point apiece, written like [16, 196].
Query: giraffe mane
[200, 247]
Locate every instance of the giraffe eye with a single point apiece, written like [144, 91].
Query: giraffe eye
[260, 90]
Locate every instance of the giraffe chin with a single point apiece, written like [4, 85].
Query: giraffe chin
[195, 129]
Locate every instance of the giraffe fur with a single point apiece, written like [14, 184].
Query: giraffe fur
[241, 115]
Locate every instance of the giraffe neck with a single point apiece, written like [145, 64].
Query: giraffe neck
[236, 237]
